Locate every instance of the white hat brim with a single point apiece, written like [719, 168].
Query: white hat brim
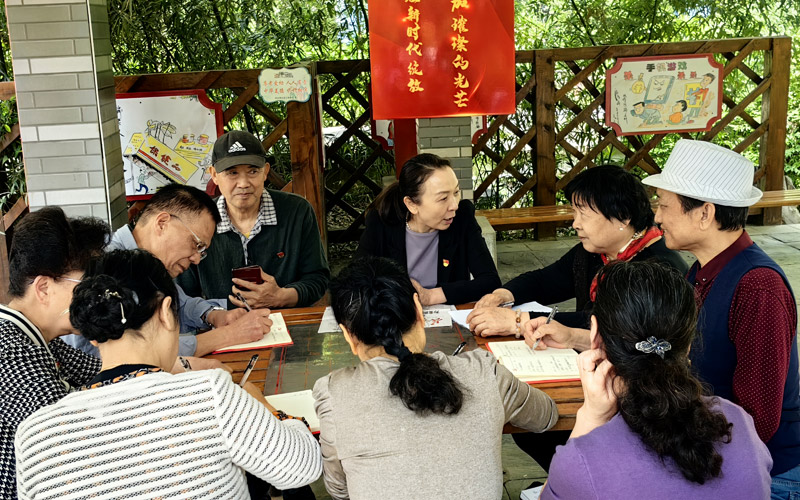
[660, 182]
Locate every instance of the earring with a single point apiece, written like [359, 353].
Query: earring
[621, 228]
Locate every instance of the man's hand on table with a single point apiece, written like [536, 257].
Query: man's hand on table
[198, 364]
[494, 299]
[250, 327]
[219, 318]
[266, 294]
[554, 334]
[493, 321]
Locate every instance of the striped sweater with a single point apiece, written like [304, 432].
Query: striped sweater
[190, 435]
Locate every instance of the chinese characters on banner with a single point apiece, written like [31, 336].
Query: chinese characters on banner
[433, 58]
[648, 95]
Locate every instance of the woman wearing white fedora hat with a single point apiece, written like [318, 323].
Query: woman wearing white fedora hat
[748, 316]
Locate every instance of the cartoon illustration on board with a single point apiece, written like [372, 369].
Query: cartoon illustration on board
[663, 94]
[151, 154]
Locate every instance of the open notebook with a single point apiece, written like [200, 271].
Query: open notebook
[532, 366]
[297, 404]
[278, 336]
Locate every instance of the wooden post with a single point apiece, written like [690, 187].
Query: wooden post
[4, 269]
[307, 152]
[774, 105]
[406, 145]
[544, 69]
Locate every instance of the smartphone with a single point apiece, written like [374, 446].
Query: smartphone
[250, 366]
[248, 273]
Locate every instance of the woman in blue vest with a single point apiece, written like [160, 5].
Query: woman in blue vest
[419, 222]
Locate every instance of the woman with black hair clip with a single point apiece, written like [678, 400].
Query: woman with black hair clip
[137, 431]
[406, 424]
[419, 222]
[646, 430]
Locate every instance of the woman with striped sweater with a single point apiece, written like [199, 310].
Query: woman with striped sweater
[137, 431]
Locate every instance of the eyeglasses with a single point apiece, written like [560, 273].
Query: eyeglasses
[202, 247]
[70, 279]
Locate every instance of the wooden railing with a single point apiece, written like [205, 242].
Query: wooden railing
[526, 158]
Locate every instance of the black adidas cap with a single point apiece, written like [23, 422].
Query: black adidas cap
[237, 147]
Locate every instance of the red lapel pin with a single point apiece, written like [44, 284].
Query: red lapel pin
[281, 255]
[445, 262]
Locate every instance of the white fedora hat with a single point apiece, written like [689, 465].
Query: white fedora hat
[707, 172]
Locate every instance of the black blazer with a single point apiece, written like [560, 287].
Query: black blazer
[461, 247]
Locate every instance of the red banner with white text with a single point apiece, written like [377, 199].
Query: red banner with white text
[433, 58]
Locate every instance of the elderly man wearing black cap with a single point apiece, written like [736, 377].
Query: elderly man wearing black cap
[272, 232]
[748, 316]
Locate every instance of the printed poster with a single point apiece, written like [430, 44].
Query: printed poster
[649, 95]
[166, 137]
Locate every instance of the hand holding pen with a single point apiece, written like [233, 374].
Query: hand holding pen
[553, 312]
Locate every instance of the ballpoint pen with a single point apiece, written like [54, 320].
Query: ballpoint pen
[246, 305]
[185, 363]
[459, 348]
[250, 366]
[510, 303]
[553, 312]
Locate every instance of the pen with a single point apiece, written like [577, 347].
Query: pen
[553, 312]
[507, 304]
[459, 348]
[246, 305]
[250, 366]
[185, 363]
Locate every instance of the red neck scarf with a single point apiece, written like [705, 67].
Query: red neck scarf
[633, 249]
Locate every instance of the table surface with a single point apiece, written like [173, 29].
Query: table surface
[314, 355]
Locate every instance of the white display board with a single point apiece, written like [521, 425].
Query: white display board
[166, 137]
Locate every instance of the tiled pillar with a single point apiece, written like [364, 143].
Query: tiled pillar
[61, 51]
[450, 138]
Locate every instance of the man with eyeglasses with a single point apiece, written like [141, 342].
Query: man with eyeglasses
[273, 230]
[176, 226]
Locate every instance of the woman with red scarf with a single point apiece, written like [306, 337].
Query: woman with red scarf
[614, 221]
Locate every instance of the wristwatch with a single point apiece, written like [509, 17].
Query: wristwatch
[204, 316]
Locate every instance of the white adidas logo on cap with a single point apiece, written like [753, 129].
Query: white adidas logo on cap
[236, 147]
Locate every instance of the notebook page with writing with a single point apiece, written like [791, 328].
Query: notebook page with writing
[278, 336]
[297, 404]
[528, 365]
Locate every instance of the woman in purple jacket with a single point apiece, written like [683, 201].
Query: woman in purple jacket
[646, 430]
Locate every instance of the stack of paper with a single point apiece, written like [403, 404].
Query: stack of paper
[297, 404]
[529, 365]
[278, 336]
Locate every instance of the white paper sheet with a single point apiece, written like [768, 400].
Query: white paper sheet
[435, 317]
[278, 336]
[297, 404]
[529, 364]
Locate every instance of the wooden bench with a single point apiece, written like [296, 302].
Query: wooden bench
[504, 219]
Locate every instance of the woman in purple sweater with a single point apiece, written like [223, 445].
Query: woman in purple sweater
[646, 430]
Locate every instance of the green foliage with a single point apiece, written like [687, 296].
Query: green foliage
[11, 167]
[160, 36]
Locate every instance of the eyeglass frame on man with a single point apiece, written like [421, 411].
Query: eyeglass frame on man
[200, 246]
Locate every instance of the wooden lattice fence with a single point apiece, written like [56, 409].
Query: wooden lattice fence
[559, 126]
